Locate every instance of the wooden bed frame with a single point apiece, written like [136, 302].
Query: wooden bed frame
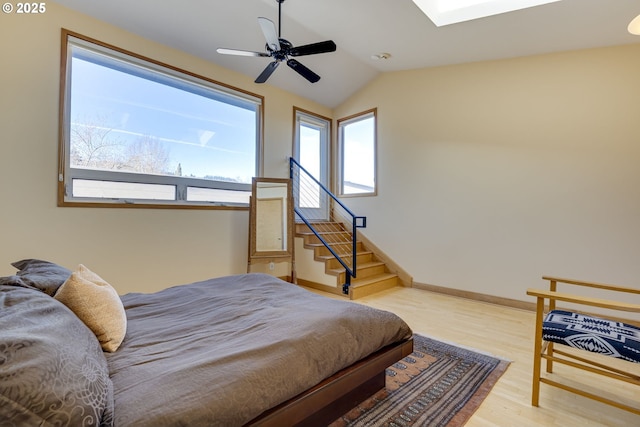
[336, 395]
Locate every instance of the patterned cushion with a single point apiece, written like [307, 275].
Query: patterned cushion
[593, 334]
[52, 369]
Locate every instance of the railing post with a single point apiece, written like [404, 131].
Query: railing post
[354, 248]
[291, 167]
[347, 282]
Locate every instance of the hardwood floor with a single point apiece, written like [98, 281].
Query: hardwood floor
[507, 333]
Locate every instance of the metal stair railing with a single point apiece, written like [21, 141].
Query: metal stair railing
[327, 217]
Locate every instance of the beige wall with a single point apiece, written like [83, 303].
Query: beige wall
[134, 249]
[492, 174]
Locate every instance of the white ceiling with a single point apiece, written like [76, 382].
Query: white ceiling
[362, 28]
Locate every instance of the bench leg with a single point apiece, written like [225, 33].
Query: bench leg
[537, 353]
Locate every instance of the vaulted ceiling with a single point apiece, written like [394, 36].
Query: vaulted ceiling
[362, 29]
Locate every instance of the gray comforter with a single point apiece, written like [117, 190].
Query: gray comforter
[222, 351]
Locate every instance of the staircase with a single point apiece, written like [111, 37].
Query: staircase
[372, 274]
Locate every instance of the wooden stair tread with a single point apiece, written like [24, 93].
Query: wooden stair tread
[311, 233]
[372, 279]
[320, 245]
[342, 235]
[367, 286]
[366, 252]
[364, 265]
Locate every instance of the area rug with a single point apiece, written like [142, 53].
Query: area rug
[438, 385]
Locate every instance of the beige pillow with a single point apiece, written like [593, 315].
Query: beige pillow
[97, 304]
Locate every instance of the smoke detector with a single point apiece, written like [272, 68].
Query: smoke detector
[382, 55]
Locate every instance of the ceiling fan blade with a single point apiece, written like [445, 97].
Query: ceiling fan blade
[267, 72]
[241, 52]
[303, 71]
[270, 34]
[313, 48]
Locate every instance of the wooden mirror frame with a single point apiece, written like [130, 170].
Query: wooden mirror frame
[256, 221]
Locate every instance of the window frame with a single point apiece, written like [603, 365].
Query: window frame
[181, 184]
[324, 126]
[341, 123]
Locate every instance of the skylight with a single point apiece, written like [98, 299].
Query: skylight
[445, 12]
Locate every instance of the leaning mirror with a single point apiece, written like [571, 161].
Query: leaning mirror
[271, 223]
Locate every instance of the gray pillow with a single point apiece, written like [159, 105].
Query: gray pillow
[53, 371]
[37, 274]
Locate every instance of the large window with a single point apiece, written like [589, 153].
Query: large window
[357, 154]
[135, 132]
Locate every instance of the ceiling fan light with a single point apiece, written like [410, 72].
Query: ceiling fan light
[634, 26]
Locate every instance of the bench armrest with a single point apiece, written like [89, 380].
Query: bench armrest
[577, 299]
[596, 285]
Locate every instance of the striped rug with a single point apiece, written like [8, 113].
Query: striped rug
[438, 385]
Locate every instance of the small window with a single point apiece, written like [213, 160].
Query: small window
[138, 132]
[357, 154]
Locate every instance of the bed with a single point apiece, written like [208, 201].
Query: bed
[244, 350]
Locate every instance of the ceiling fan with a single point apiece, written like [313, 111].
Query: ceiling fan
[280, 50]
